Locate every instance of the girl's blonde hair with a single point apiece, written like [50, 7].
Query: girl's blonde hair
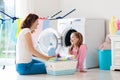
[79, 43]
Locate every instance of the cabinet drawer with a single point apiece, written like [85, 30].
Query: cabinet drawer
[116, 44]
[116, 53]
[117, 62]
[117, 58]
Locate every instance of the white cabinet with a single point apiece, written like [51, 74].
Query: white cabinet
[115, 44]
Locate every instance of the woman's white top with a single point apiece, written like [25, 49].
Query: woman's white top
[23, 55]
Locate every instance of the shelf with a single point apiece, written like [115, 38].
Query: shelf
[115, 47]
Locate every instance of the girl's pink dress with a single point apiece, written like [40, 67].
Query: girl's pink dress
[80, 56]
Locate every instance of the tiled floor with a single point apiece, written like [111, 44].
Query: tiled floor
[92, 74]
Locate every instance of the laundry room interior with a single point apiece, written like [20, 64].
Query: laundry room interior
[59, 39]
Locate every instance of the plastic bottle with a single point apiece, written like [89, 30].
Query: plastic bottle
[118, 27]
[112, 26]
[51, 50]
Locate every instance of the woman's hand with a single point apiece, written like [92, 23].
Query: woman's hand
[51, 57]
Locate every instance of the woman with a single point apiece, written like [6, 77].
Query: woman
[24, 49]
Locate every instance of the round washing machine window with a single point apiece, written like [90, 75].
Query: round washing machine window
[46, 37]
[66, 37]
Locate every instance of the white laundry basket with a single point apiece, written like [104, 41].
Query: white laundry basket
[61, 67]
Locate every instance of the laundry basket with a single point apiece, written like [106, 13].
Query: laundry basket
[61, 67]
[104, 59]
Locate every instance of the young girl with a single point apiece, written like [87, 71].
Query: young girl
[78, 49]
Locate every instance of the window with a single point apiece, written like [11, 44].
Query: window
[7, 45]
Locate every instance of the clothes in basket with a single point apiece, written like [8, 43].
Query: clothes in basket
[61, 66]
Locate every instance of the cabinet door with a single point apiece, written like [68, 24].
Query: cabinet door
[116, 53]
[116, 45]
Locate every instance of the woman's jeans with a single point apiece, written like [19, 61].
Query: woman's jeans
[34, 67]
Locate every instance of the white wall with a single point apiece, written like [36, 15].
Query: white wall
[87, 8]
[84, 8]
[93, 8]
[47, 7]
[43, 8]
[23, 7]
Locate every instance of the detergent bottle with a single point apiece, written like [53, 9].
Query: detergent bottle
[118, 27]
[112, 26]
[51, 50]
[118, 24]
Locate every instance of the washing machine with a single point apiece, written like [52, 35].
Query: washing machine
[93, 31]
[66, 26]
[51, 35]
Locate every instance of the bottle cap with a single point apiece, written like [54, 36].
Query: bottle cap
[51, 44]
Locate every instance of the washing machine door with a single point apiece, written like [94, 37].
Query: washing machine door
[66, 36]
[46, 37]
